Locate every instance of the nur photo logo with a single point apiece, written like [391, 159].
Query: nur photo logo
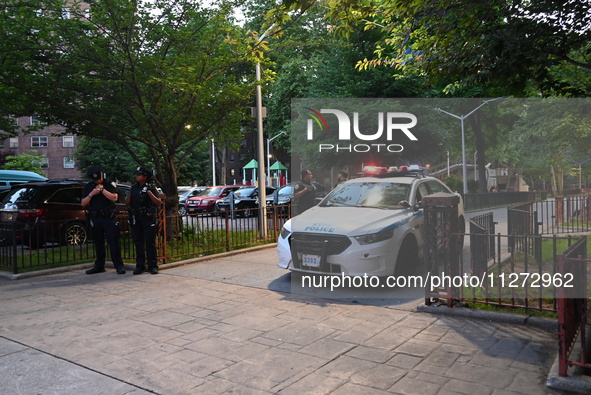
[389, 126]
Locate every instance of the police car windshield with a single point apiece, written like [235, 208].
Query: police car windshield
[385, 195]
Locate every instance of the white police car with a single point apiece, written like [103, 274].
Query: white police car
[368, 225]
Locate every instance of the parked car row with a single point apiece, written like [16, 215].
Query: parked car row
[51, 212]
[216, 199]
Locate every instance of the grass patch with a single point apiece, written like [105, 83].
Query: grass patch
[191, 243]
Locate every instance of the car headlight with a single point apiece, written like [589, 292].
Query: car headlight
[284, 233]
[375, 237]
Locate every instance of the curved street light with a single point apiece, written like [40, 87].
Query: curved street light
[461, 118]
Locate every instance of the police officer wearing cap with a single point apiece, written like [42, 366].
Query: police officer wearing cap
[99, 198]
[143, 202]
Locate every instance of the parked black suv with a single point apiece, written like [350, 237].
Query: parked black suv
[48, 212]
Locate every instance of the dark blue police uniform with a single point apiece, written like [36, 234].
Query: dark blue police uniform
[102, 215]
[144, 227]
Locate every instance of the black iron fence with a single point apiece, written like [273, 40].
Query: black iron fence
[482, 233]
[560, 215]
[180, 237]
[522, 221]
[515, 279]
[481, 201]
[507, 275]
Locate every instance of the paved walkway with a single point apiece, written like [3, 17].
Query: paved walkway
[175, 333]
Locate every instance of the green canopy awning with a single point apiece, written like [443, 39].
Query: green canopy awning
[278, 166]
[253, 164]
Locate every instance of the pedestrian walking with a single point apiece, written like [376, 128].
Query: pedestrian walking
[143, 202]
[99, 197]
[304, 192]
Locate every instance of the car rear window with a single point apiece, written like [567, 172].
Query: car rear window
[21, 198]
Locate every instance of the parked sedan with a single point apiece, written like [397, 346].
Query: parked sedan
[205, 201]
[368, 225]
[187, 194]
[245, 200]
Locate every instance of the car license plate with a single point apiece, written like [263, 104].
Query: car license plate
[311, 260]
[8, 216]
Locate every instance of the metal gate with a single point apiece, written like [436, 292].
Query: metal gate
[522, 223]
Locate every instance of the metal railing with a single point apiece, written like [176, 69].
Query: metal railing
[482, 232]
[510, 277]
[481, 201]
[515, 279]
[42, 247]
[522, 221]
[572, 307]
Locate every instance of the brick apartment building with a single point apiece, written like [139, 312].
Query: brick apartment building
[55, 152]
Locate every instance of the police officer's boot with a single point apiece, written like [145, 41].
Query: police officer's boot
[96, 269]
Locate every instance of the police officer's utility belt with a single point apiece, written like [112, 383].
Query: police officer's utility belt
[144, 211]
[105, 213]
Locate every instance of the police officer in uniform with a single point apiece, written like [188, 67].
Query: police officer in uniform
[304, 193]
[99, 198]
[143, 202]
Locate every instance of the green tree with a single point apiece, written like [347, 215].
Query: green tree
[29, 162]
[162, 75]
[119, 164]
[513, 45]
[311, 62]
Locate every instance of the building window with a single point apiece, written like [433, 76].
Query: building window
[37, 121]
[44, 162]
[39, 141]
[67, 141]
[68, 162]
[13, 142]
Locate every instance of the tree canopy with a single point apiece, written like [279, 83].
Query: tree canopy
[505, 45]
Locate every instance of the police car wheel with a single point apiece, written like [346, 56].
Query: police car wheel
[74, 234]
[407, 261]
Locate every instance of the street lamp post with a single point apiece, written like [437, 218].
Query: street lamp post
[461, 118]
[213, 183]
[269, 154]
[261, 150]
[475, 167]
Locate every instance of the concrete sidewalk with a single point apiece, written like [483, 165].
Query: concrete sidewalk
[176, 333]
